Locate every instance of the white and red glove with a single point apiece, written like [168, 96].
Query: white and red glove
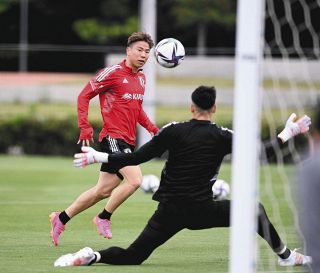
[89, 156]
[294, 128]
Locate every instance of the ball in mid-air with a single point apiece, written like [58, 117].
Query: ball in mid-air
[169, 52]
[220, 190]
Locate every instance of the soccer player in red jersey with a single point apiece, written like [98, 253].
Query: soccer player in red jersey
[121, 89]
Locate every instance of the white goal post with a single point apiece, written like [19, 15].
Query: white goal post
[246, 143]
[148, 22]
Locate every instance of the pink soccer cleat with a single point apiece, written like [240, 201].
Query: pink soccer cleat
[103, 226]
[56, 227]
[295, 259]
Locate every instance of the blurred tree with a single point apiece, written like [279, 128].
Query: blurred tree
[50, 22]
[202, 13]
[9, 21]
[5, 4]
[105, 22]
[93, 30]
[118, 18]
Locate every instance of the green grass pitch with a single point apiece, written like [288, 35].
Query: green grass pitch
[32, 187]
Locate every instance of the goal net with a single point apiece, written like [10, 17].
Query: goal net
[290, 83]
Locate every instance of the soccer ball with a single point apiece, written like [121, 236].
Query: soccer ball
[150, 183]
[220, 190]
[169, 52]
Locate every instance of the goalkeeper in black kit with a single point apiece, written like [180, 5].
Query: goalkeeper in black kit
[196, 149]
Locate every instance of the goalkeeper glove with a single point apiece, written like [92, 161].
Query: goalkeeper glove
[89, 156]
[294, 128]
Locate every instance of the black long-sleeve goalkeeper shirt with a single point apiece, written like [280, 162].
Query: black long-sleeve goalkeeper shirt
[195, 151]
[195, 148]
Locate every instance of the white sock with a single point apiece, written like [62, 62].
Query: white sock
[98, 256]
[282, 250]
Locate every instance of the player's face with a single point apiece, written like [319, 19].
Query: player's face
[137, 54]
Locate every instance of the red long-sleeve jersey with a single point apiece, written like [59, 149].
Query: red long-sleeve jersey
[121, 95]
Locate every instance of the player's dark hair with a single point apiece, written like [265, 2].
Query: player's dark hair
[204, 97]
[140, 36]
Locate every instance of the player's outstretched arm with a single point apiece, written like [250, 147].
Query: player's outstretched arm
[89, 156]
[153, 148]
[294, 127]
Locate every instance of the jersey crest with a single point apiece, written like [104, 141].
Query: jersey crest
[142, 81]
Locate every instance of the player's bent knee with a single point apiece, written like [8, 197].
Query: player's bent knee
[102, 193]
[135, 182]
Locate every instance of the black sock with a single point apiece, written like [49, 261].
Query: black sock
[64, 218]
[105, 215]
[285, 254]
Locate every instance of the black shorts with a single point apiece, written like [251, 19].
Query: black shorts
[114, 146]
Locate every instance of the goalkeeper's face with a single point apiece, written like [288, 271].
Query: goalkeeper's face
[138, 54]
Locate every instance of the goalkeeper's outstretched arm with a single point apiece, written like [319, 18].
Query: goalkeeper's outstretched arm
[154, 148]
[158, 144]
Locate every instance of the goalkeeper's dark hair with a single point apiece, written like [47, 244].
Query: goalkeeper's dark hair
[204, 97]
[140, 36]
